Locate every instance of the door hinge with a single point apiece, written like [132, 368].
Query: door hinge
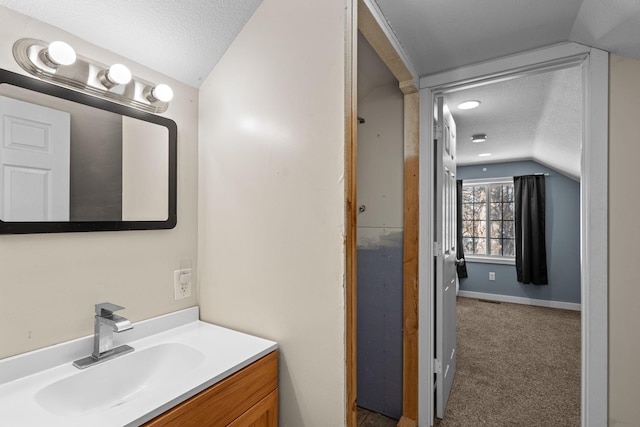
[437, 249]
[437, 132]
[437, 366]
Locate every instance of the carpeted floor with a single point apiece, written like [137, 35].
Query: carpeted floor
[517, 365]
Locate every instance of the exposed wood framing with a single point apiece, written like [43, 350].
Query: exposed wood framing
[351, 173]
[376, 36]
[410, 271]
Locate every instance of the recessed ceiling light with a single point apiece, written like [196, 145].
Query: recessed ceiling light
[479, 137]
[468, 105]
[484, 155]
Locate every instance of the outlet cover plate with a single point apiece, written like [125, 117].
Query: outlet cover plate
[182, 287]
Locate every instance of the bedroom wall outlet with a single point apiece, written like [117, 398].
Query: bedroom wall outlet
[182, 283]
[492, 276]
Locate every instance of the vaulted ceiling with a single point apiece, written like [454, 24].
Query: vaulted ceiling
[442, 35]
[184, 39]
[537, 117]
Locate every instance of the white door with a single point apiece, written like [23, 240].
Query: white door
[34, 162]
[445, 252]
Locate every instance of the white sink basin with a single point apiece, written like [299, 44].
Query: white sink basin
[176, 357]
[120, 380]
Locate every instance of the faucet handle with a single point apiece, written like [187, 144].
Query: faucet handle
[107, 309]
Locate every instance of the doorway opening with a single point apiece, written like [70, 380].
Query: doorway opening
[379, 37]
[380, 236]
[593, 215]
[531, 125]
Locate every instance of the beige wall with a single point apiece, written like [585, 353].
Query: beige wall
[49, 282]
[624, 235]
[271, 195]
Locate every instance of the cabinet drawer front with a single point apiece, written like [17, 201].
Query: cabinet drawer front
[225, 401]
[263, 414]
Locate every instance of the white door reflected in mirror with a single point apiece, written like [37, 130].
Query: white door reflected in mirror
[34, 162]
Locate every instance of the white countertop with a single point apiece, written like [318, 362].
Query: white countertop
[225, 352]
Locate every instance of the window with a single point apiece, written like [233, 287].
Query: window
[488, 232]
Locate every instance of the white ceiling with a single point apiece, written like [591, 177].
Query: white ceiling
[183, 39]
[534, 117]
[441, 35]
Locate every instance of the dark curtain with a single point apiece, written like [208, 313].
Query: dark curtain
[531, 253]
[461, 266]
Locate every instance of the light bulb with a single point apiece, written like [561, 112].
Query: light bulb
[468, 105]
[59, 53]
[118, 74]
[162, 93]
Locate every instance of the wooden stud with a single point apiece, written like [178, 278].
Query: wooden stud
[351, 173]
[410, 269]
[377, 38]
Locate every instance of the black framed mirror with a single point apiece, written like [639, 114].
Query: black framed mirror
[71, 162]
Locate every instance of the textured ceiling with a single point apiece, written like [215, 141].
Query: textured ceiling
[442, 35]
[183, 39]
[611, 25]
[534, 117]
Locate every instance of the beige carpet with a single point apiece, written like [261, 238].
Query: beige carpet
[517, 365]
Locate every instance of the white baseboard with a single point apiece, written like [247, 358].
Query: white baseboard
[521, 300]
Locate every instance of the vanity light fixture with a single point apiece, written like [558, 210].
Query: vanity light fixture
[484, 154]
[468, 105]
[117, 74]
[58, 63]
[478, 138]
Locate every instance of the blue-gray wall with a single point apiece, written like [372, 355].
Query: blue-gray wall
[379, 334]
[562, 234]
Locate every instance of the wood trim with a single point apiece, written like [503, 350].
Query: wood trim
[223, 402]
[377, 38]
[351, 174]
[410, 270]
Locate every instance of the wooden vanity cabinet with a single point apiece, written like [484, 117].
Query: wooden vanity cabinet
[248, 398]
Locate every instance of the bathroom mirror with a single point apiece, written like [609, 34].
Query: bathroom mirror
[73, 162]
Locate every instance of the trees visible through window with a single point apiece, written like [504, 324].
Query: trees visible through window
[487, 218]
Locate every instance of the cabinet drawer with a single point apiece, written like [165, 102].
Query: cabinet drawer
[225, 401]
[262, 414]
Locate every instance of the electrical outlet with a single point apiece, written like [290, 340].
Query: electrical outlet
[182, 283]
[492, 276]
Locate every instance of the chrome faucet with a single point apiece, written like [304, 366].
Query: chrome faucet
[105, 324]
